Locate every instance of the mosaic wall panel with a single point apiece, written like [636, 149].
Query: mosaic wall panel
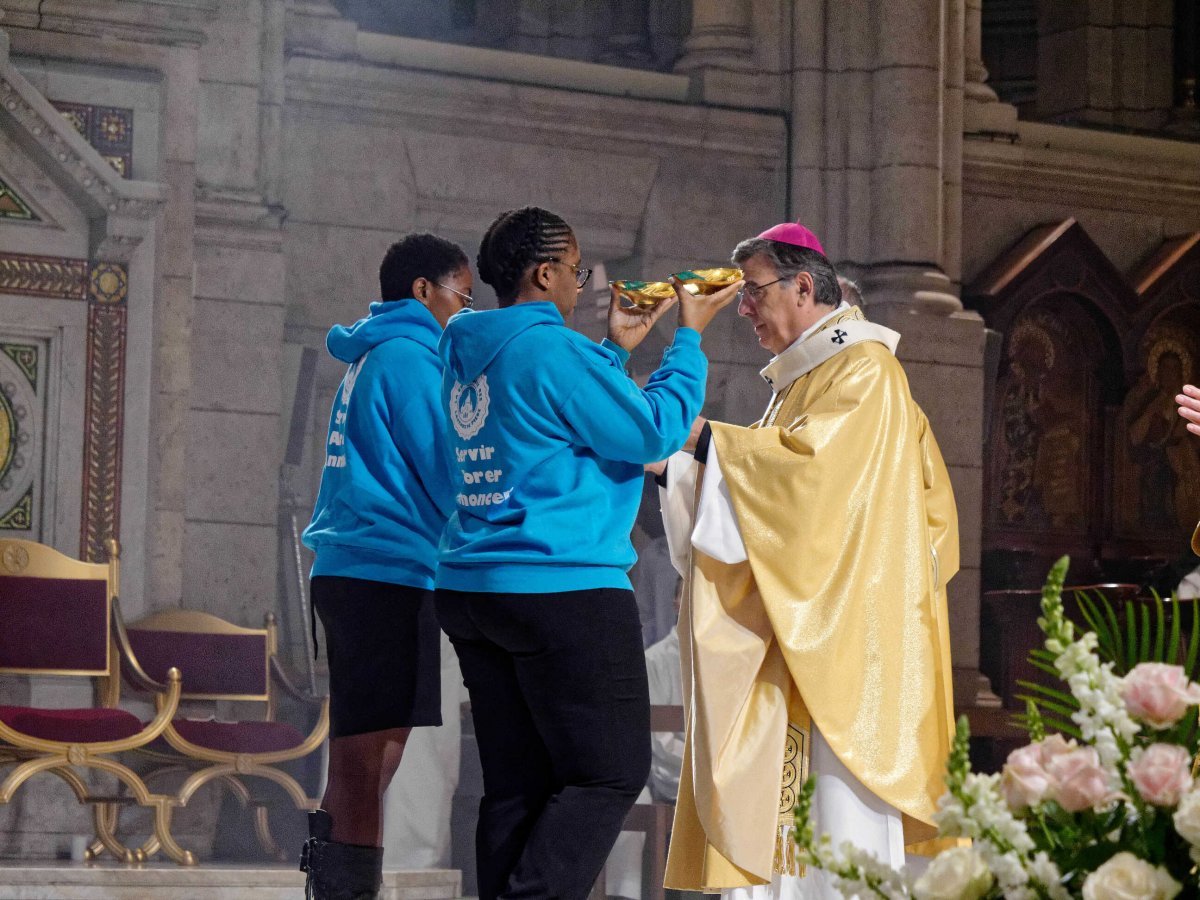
[109, 129]
[12, 206]
[22, 435]
[104, 286]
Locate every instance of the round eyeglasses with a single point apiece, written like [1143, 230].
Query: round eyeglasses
[581, 274]
[754, 292]
[467, 299]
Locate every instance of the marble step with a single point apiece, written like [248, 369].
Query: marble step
[80, 881]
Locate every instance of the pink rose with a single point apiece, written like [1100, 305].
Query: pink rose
[1055, 745]
[1082, 783]
[1158, 694]
[1162, 773]
[1025, 782]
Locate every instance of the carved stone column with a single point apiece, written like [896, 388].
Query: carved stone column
[907, 240]
[983, 113]
[720, 38]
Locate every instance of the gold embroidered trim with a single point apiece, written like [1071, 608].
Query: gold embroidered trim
[795, 773]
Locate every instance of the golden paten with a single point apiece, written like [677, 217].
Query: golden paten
[648, 294]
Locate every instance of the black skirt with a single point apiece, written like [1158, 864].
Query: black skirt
[384, 654]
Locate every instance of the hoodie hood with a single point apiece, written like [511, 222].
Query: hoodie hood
[395, 318]
[472, 338]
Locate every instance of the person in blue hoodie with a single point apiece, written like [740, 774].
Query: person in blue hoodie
[549, 439]
[385, 495]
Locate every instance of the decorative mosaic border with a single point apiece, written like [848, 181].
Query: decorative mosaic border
[104, 413]
[20, 517]
[104, 286]
[57, 277]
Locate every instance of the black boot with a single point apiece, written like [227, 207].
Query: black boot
[338, 871]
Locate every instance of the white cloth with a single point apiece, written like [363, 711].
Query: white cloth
[416, 820]
[804, 355]
[846, 811]
[716, 531]
[666, 689]
[623, 871]
[1189, 588]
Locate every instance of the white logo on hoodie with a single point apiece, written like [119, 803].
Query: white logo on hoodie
[469, 407]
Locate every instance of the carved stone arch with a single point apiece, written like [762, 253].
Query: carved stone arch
[90, 296]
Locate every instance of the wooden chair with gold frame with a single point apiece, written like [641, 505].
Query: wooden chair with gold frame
[223, 662]
[56, 618]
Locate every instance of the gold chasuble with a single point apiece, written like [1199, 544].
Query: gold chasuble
[838, 613]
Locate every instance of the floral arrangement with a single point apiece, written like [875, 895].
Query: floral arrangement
[1110, 813]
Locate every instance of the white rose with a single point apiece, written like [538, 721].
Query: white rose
[1125, 877]
[1187, 817]
[957, 874]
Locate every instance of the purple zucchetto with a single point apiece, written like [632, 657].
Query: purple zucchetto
[793, 233]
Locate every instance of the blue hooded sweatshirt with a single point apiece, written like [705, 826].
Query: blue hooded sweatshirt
[386, 490]
[549, 439]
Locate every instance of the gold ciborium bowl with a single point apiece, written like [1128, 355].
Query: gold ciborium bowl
[648, 294]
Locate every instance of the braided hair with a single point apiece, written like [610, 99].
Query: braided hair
[516, 241]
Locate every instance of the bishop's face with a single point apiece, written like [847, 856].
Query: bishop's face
[780, 309]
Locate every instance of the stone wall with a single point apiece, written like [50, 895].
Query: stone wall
[277, 149]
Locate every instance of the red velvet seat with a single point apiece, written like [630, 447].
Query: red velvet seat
[238, 666]
[56, 620]
[72, 726]
[240, 737]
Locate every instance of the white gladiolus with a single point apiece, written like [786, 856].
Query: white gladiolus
[1102, 718]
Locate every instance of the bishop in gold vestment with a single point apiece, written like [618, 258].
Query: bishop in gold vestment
[817, 544]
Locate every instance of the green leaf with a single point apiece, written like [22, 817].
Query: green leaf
[1052, 693]
[1045, 667]
[1160, 629]
[1130, 636]
[1061, 708]
[1110, 613]
[1189, 664]
[1176, 625]
[1144, 643]
[1109, 638]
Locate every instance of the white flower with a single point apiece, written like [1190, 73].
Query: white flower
[1103, 720]
[1187, 817]
[1125, 877]
[1043, 870]
[957, 874]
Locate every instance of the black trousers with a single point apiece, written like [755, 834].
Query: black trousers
[562, 717]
